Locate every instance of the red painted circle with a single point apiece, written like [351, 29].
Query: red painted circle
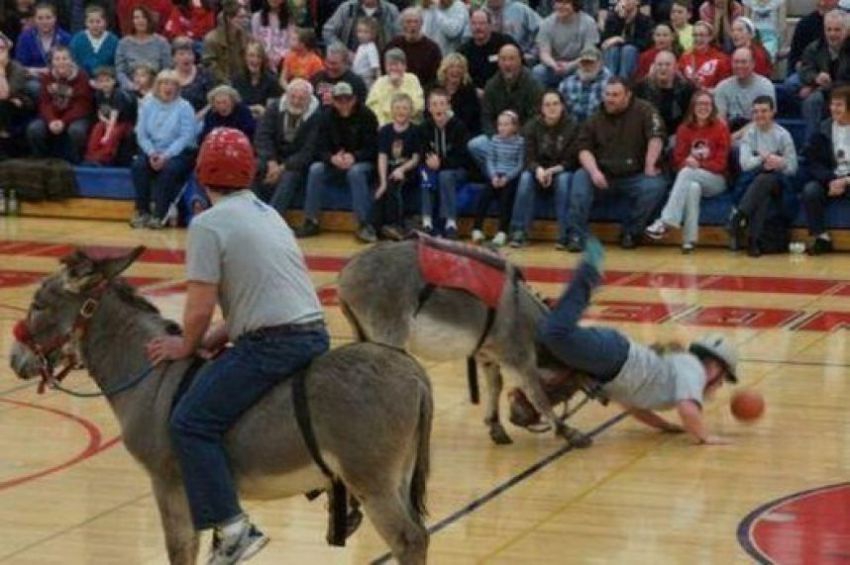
[811, 527]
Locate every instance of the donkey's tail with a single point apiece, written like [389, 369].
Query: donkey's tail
[419, 480]
[353, 321]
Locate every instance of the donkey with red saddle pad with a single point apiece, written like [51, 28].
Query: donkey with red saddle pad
[444, 301]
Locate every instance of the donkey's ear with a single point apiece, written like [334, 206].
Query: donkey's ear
[112, 267]
[80, 271]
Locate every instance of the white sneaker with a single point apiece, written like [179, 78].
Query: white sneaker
[500, 239]
[236, 548]
[477, 236]
[657, 230]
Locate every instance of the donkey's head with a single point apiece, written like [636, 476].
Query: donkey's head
[61, 308]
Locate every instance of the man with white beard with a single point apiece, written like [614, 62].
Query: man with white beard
[583, 90]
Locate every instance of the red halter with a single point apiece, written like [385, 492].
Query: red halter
[42, 351]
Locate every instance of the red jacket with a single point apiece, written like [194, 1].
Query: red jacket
[65, 99]
[645, 63]
[705, 68]
[762, 60]
[194, 25]
[161, 10]
[707, 144]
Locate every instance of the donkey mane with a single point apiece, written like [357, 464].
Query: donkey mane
[131, 297]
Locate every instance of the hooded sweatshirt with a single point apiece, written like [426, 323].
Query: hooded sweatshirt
[65, 98]
[448, 143]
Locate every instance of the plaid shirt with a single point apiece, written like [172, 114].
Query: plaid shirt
[583, 98]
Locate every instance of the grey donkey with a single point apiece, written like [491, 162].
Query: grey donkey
[371, 405]
[380, 294]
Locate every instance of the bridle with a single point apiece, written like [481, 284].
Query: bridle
[67, 344]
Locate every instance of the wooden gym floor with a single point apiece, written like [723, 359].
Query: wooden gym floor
[70, 494]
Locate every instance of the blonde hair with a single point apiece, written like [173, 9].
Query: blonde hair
[450, 60]
[167, 75]
[401, 97]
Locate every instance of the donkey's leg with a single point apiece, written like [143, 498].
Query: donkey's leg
[395, 522]
[533, 389]
[494, 392]
[181, 538]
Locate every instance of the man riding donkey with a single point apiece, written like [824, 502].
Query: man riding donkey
[641, 378]
[240, 253]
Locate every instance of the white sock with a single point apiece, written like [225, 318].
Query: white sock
[825, 236]
[235, 527]
[427, 222]
[451, 224]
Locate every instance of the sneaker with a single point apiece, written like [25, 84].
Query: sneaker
[736, 227]
[500, 239]
[687, 248]
[366, 234]
[628, 241]
[227, 550]
[309, 228]
[427, 229]
[450, 233]
[821, 246]
[657, 230]
[562, 243]
[518, 239]
[575, 244]
[477, 236]
[139, 221]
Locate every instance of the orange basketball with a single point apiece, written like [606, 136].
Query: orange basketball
[747, 405]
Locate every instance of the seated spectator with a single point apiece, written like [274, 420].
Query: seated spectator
[141, 46]
[512, 88]
[95, 47]
[15, 103]
[336, 71]
[347, 148]
[619, 151]
[663, 39]
[768, 159]
[115, 112]
[704, 65]
[561, 39]
[34, 45]
[453, 77]
[482, 49]
[828, 161]
[768, 17]
[367, 61]
[583, 90]
[64, 110]
[303, 59]
[143, 78]
[301, 13]
[223, 53]
[396, 80]
[550, 159]
[227, 111]
[195, 81]
[735, 95]
[515, 19]
[286, 144]
[627, 32]
[446, 22]
[744, 35]
[721, 14]
[160, 10]
[444, 158]
[665, 89]
[680, 21]
[165, 133]
[700, 159]
[273, 26]
[810, 28]
[342, 25]
[423, 55]
[189, 18]
[819, 69]
[398, 157]
[19, 16]
[258, 85]
[503, 165]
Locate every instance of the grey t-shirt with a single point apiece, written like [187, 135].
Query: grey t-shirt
[567, 39]
[735, 100]
[245, 247]
[657, 382]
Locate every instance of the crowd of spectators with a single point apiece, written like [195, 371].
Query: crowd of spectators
[661, 103]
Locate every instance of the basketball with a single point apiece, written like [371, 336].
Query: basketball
[747, 405]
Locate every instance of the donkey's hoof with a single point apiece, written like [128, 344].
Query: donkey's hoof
[499, 435]
[575, 438]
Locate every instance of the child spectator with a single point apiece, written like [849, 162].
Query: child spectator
[398, 155]
[505, 160]
[95, 47]
[680, 19]
[768, 17]
[721, 14]
[33, 47]
[302, 61]
[143, 77]
[115, 110]
[367, 61]
[273, 26]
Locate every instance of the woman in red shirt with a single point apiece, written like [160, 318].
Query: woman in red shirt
[664, 38]
[189, 18]
[700, 156]
[744, 35]
[705, 65]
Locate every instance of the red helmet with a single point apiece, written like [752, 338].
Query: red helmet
[226, 160]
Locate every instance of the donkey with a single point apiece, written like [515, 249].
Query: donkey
[371, 409]
[381, 295]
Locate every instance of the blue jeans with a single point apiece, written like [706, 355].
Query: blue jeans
[225, 389]
[814, 112]
[162, 186]
[598, 351]
[477, 147]
[447, 183]
[70, 144]
[547, 76]
[524, 205]
[357, 179]
[644, 193]
[621, 60]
